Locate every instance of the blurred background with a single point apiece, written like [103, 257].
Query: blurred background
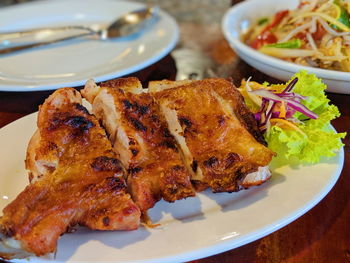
[202, 50]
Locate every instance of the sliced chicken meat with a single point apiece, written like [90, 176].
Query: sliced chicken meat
[76, 179]
[216, 132]
[141, 137]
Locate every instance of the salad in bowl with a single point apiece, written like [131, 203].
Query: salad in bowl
[280, 38]
[316, 34]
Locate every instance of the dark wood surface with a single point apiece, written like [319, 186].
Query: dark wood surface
[321, 235]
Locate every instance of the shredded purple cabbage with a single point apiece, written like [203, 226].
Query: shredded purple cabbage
[291, 100]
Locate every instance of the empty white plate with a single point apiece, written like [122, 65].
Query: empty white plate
[72, 63]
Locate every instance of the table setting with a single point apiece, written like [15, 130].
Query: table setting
[300, 214]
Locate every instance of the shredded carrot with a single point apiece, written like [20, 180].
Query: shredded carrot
[282, 110]
[254, 85]
[149, 225]
[147, 222]
[278, 87]
[287, 123]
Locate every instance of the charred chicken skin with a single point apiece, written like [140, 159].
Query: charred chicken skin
[141, 137]
[76, 178]
[216, 132]
[173, 139]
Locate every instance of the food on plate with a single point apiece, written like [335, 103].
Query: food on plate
[159, 139]
[141, 137]
[316, 34]
[215, 131]
[172, 140]
[295, 117]
[76, 178]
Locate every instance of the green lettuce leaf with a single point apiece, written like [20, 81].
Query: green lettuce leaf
[317, 138]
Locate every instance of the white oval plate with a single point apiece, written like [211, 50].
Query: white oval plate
[193, 228]
[241, 16]
[71, 63]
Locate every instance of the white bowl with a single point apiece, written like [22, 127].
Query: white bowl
[238, 18]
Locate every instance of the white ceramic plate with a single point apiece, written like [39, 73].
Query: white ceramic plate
[241, 16]
[71, 63]
[191, 228]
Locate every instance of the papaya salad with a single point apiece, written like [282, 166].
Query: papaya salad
[295, 117]
[315, 34]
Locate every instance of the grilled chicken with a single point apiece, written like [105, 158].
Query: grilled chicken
[217, 134]
[76, 178]
[141, 137]
[176, 135]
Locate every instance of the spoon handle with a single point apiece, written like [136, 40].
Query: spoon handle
[39, 44]
[23, 33]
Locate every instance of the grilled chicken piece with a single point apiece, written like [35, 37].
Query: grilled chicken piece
[141, 137]
[216, 132]
[76, 179]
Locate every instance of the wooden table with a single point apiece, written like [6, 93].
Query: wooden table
[321, 235]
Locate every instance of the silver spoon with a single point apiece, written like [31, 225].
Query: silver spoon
[126, 25]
